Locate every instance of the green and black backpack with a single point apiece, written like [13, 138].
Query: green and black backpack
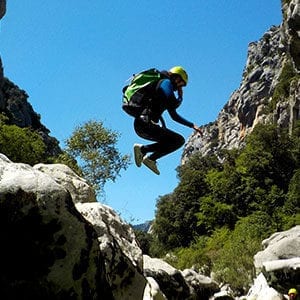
[137, 95]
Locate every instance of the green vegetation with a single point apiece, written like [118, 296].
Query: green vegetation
[222, 208]
[288, 74]
[95, 148]
[21, 144]
[219, 213]
[91, 144]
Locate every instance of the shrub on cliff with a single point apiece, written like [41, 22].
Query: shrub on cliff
[21, 144]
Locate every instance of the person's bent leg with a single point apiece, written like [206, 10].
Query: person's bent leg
[167, 141]
[170, 142]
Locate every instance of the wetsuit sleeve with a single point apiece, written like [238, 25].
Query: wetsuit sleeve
[172, 103]
[176, 117]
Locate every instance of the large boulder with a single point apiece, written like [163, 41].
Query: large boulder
[48, 250]
[279, 246]
[176, 284]
[152, 290]
[262, 291]
[122, 255]
[280, 259]
[169, 279]
[78, 187]
[73, 247]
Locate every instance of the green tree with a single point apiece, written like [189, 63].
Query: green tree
[95, 148]
[22, 144]
[175, 222]
[233, 263]
[70, 161]
[214, 214]
[291, 209]
[144, 240]
[268, 157]
[266, 166]
[192, 256]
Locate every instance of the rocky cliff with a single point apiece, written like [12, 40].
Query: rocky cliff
[269, 89]
[14, 105]
[58, 243]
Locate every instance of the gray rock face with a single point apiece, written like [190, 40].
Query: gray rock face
[176, 284]
[73, 247]
[78, 188]
[280, 259]
[262, 291]
[14, 105]
[48, 250]
[122, 255]
[281, 245]
[253, 102]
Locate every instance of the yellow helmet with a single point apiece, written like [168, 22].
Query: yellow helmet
[292, 291]
[181, 72]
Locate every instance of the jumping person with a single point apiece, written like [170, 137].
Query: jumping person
[147, 124]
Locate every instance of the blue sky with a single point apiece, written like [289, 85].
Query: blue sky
[73, 58]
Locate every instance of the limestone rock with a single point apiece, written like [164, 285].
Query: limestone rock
[175, 284]
[253, 102]
[122, 256]
[280, 259]
[152, 290]
[281, 245]
[199, 284]
[78, 188]
[14, 105]
[261, 290]
[48, 250]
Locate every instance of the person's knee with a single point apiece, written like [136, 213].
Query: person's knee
[180, 140]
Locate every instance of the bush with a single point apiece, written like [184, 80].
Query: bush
[66, 159]
[21, 144]
[95, 148]
[144, 240]
[193, 256]
[233, 264]
[281, 91]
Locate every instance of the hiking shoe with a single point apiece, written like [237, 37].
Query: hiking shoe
[138, 155]
[151, 164]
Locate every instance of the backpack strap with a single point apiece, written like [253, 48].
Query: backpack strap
[162, 121]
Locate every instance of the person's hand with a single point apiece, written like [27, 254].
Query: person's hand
[198, 129]
[180, 92]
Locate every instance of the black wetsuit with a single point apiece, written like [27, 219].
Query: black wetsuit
[147, 125]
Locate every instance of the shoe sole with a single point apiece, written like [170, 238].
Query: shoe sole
[138, 156]
[156, 171]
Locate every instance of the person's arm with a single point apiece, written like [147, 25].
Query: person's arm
[198, 129]
[177, 118]
[166, 90]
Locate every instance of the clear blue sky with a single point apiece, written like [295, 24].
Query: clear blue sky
[73, 58]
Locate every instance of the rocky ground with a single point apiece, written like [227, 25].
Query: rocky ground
[73, 247]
